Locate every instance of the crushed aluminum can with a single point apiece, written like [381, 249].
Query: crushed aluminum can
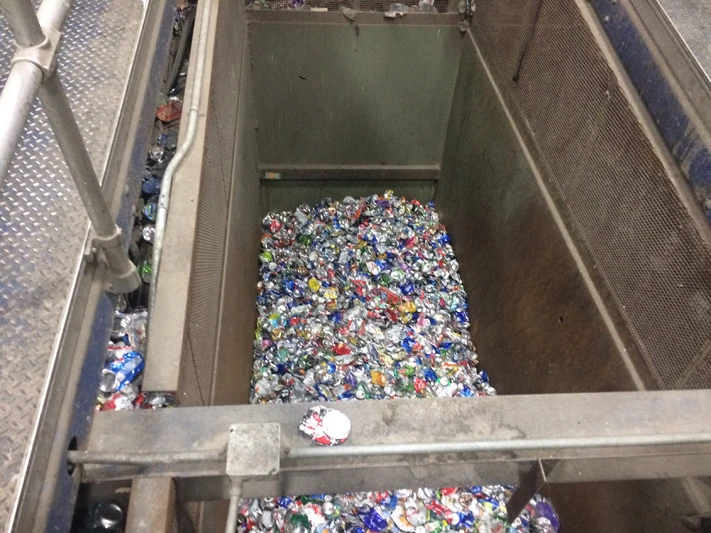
[170, 111]
[325, 426]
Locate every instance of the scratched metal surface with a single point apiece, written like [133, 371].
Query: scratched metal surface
[42, 221]
[692, 20]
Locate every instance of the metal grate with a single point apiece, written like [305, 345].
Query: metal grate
[636, 229]
[701, 378]
[502, 28]
[207, 269]
[564, 131]
[211, 230]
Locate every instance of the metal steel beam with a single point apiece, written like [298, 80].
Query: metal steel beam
[348, 172]
[152, 506]
[410, 443]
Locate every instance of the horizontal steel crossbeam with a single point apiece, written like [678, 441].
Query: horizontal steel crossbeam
[413, 443]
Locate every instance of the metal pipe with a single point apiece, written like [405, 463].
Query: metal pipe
[16, 101]
[25, 78]
[70, 141]
[507, 445]
[77, 457]
[233, 511]
[52, 13]
[420, 448]
[182, 152]
[69, 138]
[23, 21]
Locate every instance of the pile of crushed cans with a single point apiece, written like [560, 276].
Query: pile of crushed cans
[362, 299]
[470, 509]
[120, 386]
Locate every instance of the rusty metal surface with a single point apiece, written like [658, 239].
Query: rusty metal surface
[586, 432]
[233, 365]
[648, 257]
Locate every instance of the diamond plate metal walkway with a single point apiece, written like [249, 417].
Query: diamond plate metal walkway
[42, 220]
[692, 20]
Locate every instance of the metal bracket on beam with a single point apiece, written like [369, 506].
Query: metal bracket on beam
[531, 482]
[253, 450]
[118, 282]
[43, 55]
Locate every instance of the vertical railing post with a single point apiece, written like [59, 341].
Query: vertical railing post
[33, 72]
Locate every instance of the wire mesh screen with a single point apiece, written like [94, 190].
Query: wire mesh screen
[207, 271]
[610, 183]
[200, 347]
[206, 282]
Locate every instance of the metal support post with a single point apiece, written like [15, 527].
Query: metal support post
[23, 20]
[233, 511]
[24, 79]
[152, 506]
[108, 235]
[33, 72]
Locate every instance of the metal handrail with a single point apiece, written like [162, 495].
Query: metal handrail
[33, 72]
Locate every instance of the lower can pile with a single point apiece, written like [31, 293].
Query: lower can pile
[362, 299]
